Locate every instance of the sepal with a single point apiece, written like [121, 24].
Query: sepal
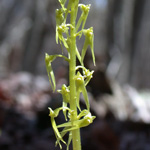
[80, 87]
[48, 60]
[89, 39]
[82, 20]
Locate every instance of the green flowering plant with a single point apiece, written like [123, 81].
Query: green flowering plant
[79, 76]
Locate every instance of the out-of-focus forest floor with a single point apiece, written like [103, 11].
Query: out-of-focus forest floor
[121, 123]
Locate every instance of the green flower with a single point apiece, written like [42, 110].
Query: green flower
[65, 91]
[82, 20]
[80, 88]
[89, 39]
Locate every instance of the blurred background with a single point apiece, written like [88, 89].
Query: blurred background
[119, 93]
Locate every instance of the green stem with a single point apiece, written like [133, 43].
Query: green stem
[72, 65]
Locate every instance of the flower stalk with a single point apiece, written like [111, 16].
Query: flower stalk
[66, 34]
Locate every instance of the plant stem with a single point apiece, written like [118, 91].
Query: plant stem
[76, 141]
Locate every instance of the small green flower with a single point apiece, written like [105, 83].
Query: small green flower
[82, 20]
[59, 17]
[59, 34]
[54, 114]
[66, 98]
[48, 60]
[87, 74]
[89, 38]
[85, 121]
[80, 87]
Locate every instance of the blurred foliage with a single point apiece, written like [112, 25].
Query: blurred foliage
[122, 27]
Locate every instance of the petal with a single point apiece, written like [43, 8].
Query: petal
[84, 49]
[84, 92]
[51, 76]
